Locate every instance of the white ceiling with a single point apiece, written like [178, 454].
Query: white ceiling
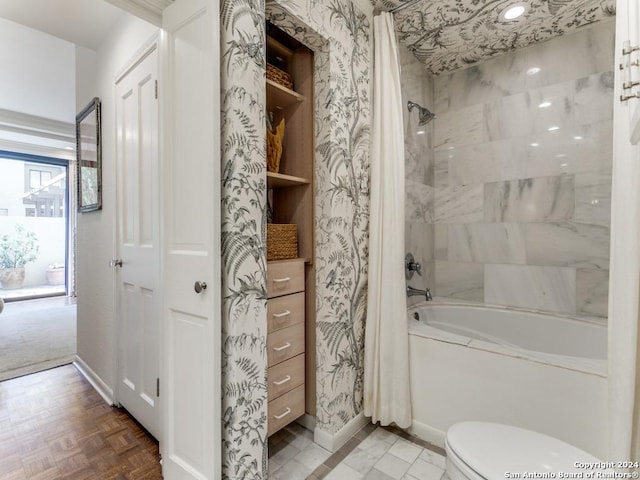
[82, 22]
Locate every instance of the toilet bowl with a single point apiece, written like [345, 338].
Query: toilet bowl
[492, 451]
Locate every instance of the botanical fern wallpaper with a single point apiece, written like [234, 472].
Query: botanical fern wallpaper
[446, 35]
[244, 364]
[342, 110]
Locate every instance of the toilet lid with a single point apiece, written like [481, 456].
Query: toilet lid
[492, 450]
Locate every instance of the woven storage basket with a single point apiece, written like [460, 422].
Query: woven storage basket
[279, 76]
[282, 241]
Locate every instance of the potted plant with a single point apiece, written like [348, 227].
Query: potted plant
[16, 250]
[55, 274]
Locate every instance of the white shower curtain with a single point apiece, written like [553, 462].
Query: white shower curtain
[624, 283]
[386, 363]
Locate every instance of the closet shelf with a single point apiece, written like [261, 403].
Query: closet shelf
[279, 97]
[280, 180]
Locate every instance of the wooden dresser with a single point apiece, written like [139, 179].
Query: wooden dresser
[285, 342]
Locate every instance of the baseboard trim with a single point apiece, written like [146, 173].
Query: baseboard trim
[428, 434]
[96, 382]
[307, 421]
[333, 442]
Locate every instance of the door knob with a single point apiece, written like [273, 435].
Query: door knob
[115, 263]
[200, 286]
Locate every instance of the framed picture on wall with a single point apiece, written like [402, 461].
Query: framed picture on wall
[89, 157]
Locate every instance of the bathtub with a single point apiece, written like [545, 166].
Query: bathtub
[533, 370]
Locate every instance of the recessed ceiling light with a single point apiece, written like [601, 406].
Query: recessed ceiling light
[533, 70]
[420, 132]
[513, 11]
[577, 137]
[553, 129]
[535, 144]
[544, 105]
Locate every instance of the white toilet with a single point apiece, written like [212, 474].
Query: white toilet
[491, 451]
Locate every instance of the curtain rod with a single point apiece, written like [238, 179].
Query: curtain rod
[407, 4]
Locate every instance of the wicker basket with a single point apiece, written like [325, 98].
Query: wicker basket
[282, 241]
[279, 76]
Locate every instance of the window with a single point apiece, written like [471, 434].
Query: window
[37, 178]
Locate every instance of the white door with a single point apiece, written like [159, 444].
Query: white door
[190, 100]
[139, 300]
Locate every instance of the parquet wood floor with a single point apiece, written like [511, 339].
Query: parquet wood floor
[54, 426]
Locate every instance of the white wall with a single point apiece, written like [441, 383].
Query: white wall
[96, 230]
[37, 73]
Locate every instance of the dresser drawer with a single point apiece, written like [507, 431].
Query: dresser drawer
[285, 409]
[285, 376]
[284, 278]
[285, 343]
[285, 311]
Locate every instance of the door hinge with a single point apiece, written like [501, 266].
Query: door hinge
[157, 387]
[156, 89]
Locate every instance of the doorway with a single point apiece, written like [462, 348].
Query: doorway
[34, 226]
[38, 322]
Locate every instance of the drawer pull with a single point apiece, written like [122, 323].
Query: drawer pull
[282, 415]
[286, 313]
[281, 280]
[283, 347]
[283, 381]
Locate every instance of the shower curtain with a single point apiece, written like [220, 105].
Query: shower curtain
[386, 363]
[624, 281]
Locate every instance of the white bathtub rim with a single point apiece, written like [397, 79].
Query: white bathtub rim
[443, 301]
[577, 364]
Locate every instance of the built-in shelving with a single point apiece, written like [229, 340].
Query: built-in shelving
[291, 192]
[280, 97]
[280, 180]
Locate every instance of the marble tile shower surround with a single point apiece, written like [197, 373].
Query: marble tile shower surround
[417, 86]
[522, 176]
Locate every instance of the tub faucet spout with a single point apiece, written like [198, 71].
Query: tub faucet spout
[415, 291]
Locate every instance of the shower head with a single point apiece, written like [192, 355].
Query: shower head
[424, 114]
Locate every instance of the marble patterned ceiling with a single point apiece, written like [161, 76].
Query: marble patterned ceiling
[447, 35]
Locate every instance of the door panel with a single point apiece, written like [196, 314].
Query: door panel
[138, 245]
[191, 191]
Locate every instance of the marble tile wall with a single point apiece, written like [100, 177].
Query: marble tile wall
[521, 177]
[417, 86]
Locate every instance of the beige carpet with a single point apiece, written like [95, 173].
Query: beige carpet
[36, 335]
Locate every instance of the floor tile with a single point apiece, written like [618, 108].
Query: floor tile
[292, 470]
[312, 456]
[425, 471]
[361, 460]
[344, 472]
[375, 474]
[435, 458]
[392, 466]
[405, 450]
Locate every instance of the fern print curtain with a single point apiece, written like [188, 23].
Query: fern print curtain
[386, 364]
